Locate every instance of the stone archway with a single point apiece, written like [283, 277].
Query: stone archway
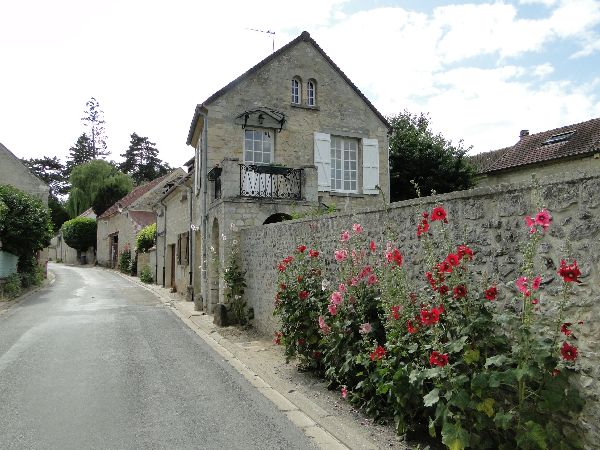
[277, 217]
[213, 266]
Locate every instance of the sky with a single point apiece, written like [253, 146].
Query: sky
[482, 70]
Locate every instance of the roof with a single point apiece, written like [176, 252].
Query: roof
[131, 197]
[304, 36]
[567, 141]
[4, 149]
[142, 218]
[482, 161]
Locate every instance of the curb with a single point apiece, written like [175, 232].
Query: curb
[10, 304]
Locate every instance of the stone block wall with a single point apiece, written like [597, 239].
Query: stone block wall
[491, 221]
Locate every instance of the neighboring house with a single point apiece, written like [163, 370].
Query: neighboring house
[173, 244]
[290, 135]
[60, 251]
[14, 173]
[119, 225]
[569, 149]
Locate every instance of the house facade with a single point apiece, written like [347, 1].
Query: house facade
[571, 149]
[288, 137]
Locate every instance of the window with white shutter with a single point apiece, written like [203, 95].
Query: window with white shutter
[370, 166]
[323, 160]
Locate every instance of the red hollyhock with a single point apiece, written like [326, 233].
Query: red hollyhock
[378, 353]
[300, 278]
[411, 329]
[565, 329]
[438, 213]
[463, 251]
[423, 227]
[438, 359]
[453, 259]
[372, 246]
[460, 291]
[443, 289]
[281, 267]
[444, 266]
[287, 259]
[568, 352]
[396, 312]
[303, 295]
[395, 257]
[301, 248]
[313, 253]
[491, 293]
[569, 273]
[430, 317]
[277, 338]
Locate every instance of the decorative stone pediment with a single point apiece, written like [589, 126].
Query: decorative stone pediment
[261, 118]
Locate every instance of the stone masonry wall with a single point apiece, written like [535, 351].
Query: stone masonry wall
[490, 220]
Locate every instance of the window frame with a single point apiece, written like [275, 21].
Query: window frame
[311, 93]
[345, 172]
[264, 131]
[296, 91]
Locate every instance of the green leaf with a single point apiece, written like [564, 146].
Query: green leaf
[432, 431]
[454, 436]
[486, 406]
[457, 345]
[533, 436]
[471, 356]
[431, 398]
[495, 361]
[503, 420]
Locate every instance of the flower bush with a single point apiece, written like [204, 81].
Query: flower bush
[448, 356]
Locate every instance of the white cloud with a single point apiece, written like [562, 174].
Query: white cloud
[543, 70]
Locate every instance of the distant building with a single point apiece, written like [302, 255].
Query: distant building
[60, 251]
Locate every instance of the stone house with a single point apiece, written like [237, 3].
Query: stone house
[60, 251]
[289, 136]
[119, 225]
[14, 173]
[571, 149]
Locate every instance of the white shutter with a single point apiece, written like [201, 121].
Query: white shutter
[370, 157]
[323, 160]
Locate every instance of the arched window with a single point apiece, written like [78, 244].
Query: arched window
[296, 91]
[311, 93]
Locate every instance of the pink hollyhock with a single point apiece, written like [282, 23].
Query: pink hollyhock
[536, 283]
[372, 246]
[336, 298]
[453, 259]
[357, 228]
[277, 338]
[565, 329]
[569, 273]
[342, 288]
[365, 328]
[396, 312]
[326, 329]
[303, 295]
[378, 353]
[535, 301]
[568, 352]
[344, 392]
[341, 255]
[411, 329]
[313, 253]
[438, 213]
[438, 359]
[491, 293]
[531, 224]
[522, 284]
[332, 309]
[345, 236]
[543, 218]
[460, 291]
[372, 279]
[301, 248]
[464, 251]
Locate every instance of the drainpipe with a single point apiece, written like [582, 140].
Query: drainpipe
[164, 244]
[190, 241]
[204, 212]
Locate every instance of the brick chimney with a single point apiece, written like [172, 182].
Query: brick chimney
[523, 133]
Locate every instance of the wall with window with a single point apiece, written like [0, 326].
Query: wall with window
[326, 107]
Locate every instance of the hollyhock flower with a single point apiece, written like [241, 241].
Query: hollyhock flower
[394, 256]
[357, 228]
[281, 267]
[353, 281]
[365, 328]
[396, 312]
[341, 255]
[444, 266]
[301, 342]
[411, 329]
[453, 259]
[522, 285]
[287, 259]
[460, 291]
[430, 317]
[372, 279]
[535, 301]
[531, 224]
[303, 295]
[536, 283]
[313, 253]
[422, 228]
[438, 213]
[378, 353]
[344, 392]
[443, 289]
[345, 236]
[568, 352]
[332, 309]
[317, 355]
[365, 272]
[555, 373]
[569, 273]
[491, 293]
[464, 251]
[565, 329]
[372, 246]
[336, 298]
[277, 338]
[543, 218]
[325, 329]
[438, 359]
[282, 286]
[299, 278]
[342, 288]
[301, 248]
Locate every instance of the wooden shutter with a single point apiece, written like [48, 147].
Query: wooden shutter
[323, 160]
[370, 158]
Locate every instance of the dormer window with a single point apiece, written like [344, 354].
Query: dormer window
[559, 138]
[296, 91]
[311, 93]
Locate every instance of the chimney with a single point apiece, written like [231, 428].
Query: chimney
[523, 133]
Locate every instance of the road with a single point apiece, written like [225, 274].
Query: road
[96, 362]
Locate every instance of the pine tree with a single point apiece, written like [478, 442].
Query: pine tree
[93, 119]
[141, 160]
[51, 171]
[80, 153]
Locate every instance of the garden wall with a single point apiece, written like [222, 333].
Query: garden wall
[491, 221]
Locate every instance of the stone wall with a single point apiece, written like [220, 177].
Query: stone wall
[490, 220]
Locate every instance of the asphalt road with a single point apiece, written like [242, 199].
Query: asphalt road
[94, 361]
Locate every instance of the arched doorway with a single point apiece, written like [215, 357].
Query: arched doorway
[213, 266]
[277, 217]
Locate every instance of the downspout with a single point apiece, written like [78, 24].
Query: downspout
[204, 212]
[164, 243]
[190, 240]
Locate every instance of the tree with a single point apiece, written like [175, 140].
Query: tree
[25, 226]
[86, 181]
[80, 233]
[430, 160]
[93, 119]
[50, 170]
[79, 153]
[141, 160]
[58, 212]
[108, 194]
[146, 238]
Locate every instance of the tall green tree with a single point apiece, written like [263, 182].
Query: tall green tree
[142, 161]
[417, 155]
[79, 153]
[50, 170]
[93, 120]
[86, 181]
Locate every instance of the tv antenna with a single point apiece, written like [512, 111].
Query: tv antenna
[272, 33]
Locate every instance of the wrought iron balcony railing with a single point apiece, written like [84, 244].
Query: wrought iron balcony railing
[267, 181]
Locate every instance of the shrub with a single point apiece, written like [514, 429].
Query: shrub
[125, 260]
[446, 355]
[11, 288]
[80, 233]
[146, 238]
[235, 284]
[146, 275]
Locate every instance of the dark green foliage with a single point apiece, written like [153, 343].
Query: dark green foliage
[142, 162]
[11, 288]
[25, 226]
[93, 119]
[236, 283]
[80, 153]
[58, 213]
[80, 233]
[146, 238]
[146, 275]
[125, 261]
[51, 171]
[108, 194]
[433, 162]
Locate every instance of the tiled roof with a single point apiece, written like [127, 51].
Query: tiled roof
[535, 149]
[304, 36]
[142, 218]
[482, 161]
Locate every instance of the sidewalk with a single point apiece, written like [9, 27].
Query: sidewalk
[322, 414]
